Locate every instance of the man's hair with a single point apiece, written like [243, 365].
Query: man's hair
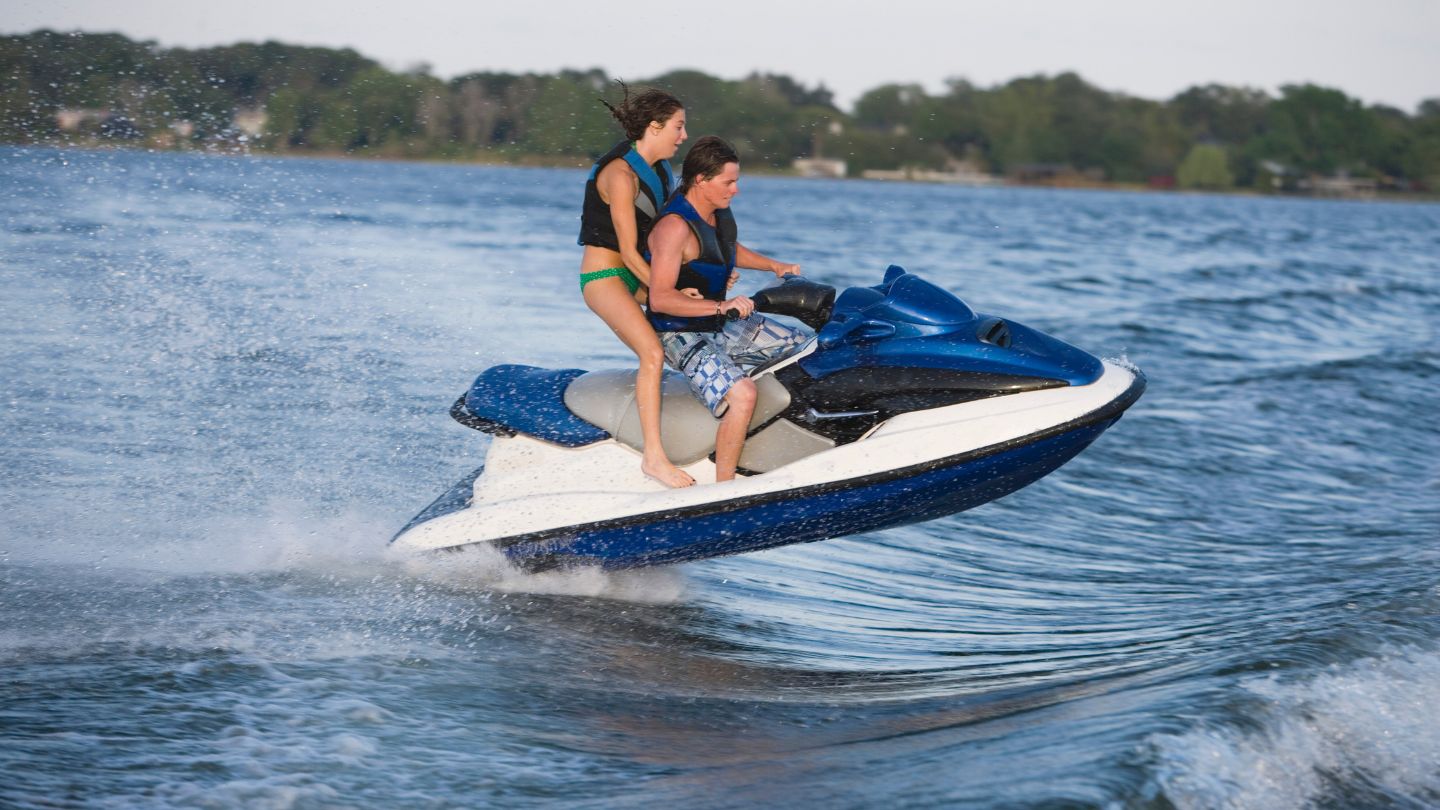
[706, 159]
[635, 114]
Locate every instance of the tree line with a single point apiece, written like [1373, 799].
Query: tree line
[83, 88]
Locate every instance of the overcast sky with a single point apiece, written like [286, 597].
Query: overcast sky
[1381, 51]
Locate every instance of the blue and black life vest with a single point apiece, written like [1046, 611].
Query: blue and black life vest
[708, 273]
[656, 181]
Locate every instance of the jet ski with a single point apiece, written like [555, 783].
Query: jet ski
[905, 406]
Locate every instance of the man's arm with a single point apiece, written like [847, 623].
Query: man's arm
[749, 259]
[671, 244]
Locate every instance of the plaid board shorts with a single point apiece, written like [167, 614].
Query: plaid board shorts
[714, 361]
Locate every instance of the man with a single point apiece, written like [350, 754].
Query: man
[693, 245]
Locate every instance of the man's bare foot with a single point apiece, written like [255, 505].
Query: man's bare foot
[666, 473]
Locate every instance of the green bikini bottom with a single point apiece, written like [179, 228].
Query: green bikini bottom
[622, 273]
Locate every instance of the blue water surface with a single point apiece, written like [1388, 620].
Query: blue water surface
[225, 386]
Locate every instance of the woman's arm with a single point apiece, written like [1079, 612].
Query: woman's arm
[618, 186]
[747, 258]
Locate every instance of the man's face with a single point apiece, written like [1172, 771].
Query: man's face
[719, 190]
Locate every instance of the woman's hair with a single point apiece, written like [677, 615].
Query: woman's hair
[635, 114]
[705, 159]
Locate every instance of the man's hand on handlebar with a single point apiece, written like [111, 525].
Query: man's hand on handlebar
[737, 307]
[782, 269]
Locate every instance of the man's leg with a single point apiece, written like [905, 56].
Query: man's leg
[730, 438]
[703, 362]
[721, 385]
[754, 341]
[747, 343]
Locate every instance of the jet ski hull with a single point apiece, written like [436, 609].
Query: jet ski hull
[753, 522]
[762, 522]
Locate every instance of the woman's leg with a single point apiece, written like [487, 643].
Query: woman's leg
[611, 300]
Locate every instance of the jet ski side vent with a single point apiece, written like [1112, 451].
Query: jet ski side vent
[995, 332]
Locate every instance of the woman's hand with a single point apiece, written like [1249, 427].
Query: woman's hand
[734, 277]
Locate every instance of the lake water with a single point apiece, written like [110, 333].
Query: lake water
[226, 383]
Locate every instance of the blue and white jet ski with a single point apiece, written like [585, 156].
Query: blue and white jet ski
[905, 406]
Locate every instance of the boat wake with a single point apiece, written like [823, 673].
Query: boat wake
[288, 537]
[486, 568]
[1367, 726]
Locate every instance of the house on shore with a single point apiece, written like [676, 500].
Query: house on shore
[819, 167]
[963, 173]
[1341, 184]
[250, 121]
[75, 119]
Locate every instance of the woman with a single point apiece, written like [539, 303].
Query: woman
[626, 190]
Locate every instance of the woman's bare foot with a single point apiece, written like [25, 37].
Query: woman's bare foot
[666, 473]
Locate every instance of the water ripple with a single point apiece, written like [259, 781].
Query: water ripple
[228, 383]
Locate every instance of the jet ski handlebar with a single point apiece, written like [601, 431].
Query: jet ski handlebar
[800, 298]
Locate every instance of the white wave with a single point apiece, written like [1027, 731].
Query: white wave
[279, 535]
[289, 536]
[286, 536]
[1373, 722]
[288, 539]
[1123, 360]
[485, 567]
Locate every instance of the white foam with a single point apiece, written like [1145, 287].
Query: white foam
[359, 711]
[1373, 721]
[281, 534]
[1123, 360]
[487, 568]
[287, 535]
[287, 539]
[353, 747]
[261, 793]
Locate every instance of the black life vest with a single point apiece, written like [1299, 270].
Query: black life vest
[708, 273]
[656, 181]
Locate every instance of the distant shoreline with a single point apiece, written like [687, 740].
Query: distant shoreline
[1042, 130]
[582, 162]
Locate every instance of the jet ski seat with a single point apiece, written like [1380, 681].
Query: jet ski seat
[606, 399]
[510, 399]
[574, 408]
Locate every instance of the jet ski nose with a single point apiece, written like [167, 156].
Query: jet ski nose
[906, 321]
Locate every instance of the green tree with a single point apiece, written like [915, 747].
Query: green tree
[565, 117]
[755, 115]
[1207, 167]
[1214, 112]
[377, 109]
[22, 118]
[1318, 129]
[1019, 124]
[1420, 160]
[791, 92]
[891, 107]
[953, 121]
[490, 109]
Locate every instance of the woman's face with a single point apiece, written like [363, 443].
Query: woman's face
[669, 134]
[719, 190]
